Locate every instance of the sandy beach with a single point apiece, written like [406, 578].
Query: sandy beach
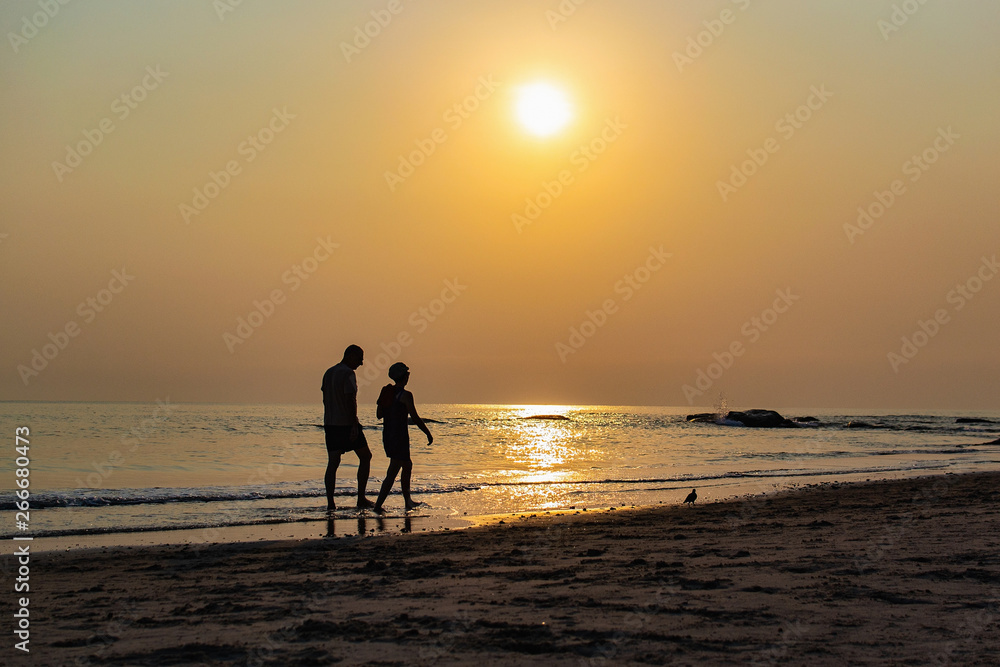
[899, 572]
[519, 275]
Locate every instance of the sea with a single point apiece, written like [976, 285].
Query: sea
[114, 471]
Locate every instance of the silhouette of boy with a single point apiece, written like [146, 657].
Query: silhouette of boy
[395, 406]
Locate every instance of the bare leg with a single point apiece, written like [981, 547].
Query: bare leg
[405, 483]
[331, 480]
[390, 479]
[364, 468]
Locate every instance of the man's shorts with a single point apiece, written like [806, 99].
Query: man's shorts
[338, 440]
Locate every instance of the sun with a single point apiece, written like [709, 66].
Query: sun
[543, 109]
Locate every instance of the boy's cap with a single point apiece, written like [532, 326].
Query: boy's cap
[398, 370]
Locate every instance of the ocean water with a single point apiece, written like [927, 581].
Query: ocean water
[119, 468]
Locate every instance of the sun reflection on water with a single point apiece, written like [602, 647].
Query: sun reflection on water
[542, 444]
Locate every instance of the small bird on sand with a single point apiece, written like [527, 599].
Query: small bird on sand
[693, 496]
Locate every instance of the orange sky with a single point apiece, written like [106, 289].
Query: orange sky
[697, 224]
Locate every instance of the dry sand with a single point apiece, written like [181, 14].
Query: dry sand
[901, 572]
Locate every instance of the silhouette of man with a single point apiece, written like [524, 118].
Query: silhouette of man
[340, 422]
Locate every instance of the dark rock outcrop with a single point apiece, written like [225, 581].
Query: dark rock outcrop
[749, 418]
[761, 419]
[972, 420]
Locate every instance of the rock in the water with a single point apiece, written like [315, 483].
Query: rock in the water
[806, 419]
[750, 418]
[972, 420]
[761, 419]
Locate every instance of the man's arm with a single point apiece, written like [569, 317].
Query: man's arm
[351, 400]
[350, 403]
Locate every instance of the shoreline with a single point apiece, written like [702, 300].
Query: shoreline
[872, 571]
[348, 521]
[729, 488]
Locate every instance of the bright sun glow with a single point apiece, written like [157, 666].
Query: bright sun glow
[543, 109]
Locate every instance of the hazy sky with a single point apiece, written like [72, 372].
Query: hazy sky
[703, 201]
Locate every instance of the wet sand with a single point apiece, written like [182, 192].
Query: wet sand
[898, 572]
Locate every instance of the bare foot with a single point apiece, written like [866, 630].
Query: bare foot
[364, 504]
[413, 503]
[378, 510]
[331, 507]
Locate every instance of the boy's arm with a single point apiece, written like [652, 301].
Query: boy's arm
[384, 399]
[417, 420]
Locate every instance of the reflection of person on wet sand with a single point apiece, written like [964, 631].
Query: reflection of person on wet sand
[395, 405]
[381, 526]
